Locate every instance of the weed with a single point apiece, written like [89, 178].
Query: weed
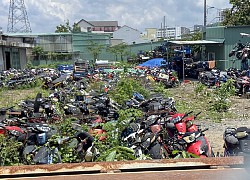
[160, 88]
[200, 89]
[125, 88]
[221, 102]
[9, 151]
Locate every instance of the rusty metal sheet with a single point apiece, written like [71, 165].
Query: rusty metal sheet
[103, 167]
[214, 174]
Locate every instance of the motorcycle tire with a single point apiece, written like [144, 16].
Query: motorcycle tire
[156, 151]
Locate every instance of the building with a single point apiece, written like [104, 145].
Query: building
[107, 27]
[149, 35]
[220, 40]
[71, 46]
[127, 34]
[13, 50]
[229, 36]
[221, 14]
[172, 32]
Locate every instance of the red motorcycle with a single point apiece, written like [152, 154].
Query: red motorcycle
[182, 131]
[243, 85]
[97, 130]
[13, 132]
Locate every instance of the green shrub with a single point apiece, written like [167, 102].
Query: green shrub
[125, 88]
[222, 94]
[9, 151]
[200, 89]
[68, 150]
[113, 149]
[183, 154]
[160, 88]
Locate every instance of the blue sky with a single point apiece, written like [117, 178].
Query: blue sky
[45, 15]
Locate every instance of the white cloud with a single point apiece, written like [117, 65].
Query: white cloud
[45, 15]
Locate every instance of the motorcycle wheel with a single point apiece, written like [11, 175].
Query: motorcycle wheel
[156, 151]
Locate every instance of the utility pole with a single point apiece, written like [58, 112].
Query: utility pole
[164, 27]
[205, 13]
[205, 20]
[18, 21]
[161, 31]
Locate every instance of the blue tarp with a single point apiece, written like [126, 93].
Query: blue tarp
[156, 62]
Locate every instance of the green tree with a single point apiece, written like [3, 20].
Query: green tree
[95, 49]
[194, 37]
[67, 28]
[51, 56]
[238, 15]
[37, 51]
[114, 50]
[76, 28]
[119, 49]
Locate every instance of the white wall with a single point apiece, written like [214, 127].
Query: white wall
[84, 26]
[129, 35]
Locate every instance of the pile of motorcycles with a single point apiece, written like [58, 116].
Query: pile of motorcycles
[162, 131]
[216, 78]
[165, 133]
[13, 79]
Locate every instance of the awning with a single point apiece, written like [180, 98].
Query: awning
[198, 42]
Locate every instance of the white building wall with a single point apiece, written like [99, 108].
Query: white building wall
[129, 35]
[171, 33]
[85, 27]
[178, 33]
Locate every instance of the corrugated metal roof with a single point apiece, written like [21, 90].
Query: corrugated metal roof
[198, 42]
[35, 34]
[104, 23]
[217, 40]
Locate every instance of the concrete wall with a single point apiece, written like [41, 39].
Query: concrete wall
[23, 58]
[1, 59]
[150, 34]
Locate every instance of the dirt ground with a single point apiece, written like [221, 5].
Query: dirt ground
[240, 109]
[240, 116]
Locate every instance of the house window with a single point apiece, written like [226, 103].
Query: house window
[88, 29]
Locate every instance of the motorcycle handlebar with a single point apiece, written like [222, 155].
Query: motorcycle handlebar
[197, 114]
[204, 130]
[186, 115]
